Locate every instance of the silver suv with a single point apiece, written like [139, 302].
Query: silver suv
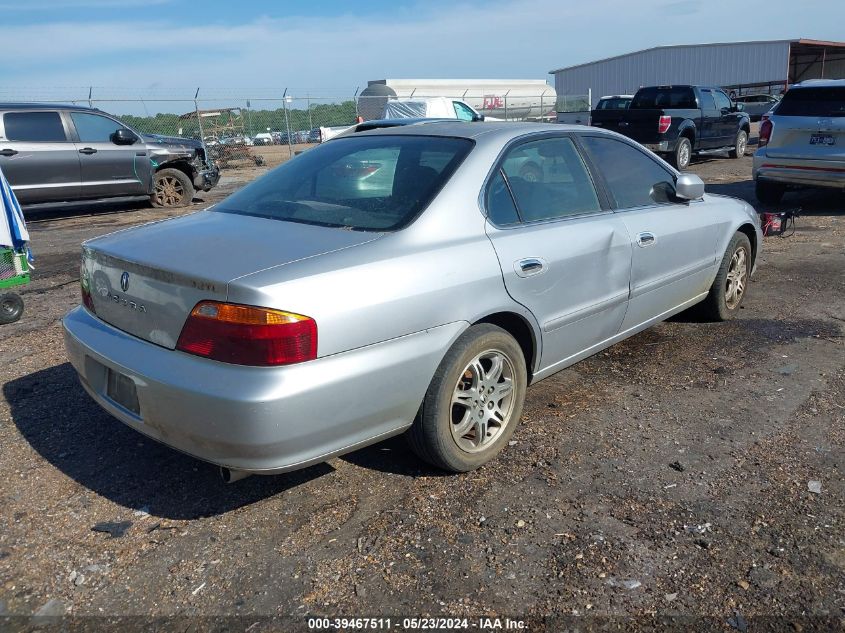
[802, 144]
[54, 153]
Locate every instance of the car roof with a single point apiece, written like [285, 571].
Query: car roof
[45, 106]
[819, 83]
[470, 129]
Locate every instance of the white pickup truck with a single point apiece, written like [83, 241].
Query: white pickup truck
[420, 108]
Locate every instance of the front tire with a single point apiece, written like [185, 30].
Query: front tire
[680, 158]
[740, 144]
[172, 189]
[11, 308]
[474, 401]
[729, 287]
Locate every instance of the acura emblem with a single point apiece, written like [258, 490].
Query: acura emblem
[124, 282]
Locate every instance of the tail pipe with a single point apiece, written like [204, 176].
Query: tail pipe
[230, 476]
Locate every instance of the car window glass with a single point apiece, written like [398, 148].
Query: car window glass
[821, 101]
[707, 102]
[548, 179]
[44, 127]
[463, 112]
[722, 101]
[681, 97]
[368, 183]
[630, 174]
[94, 128]
[501, 209]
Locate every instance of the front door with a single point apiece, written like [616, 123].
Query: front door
[109, 169]
[37, 157]
[673, 243]
[563, 255]
[727, 118]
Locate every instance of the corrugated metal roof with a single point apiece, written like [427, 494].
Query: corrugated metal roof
[671, 47]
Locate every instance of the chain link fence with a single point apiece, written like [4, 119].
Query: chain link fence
[257, 127]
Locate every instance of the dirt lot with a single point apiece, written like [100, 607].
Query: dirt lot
[667, 477]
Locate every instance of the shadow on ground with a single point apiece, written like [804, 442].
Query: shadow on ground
[821, 202]
[66, 427]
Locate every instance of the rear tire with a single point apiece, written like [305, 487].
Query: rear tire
[680, 158]
[474, 401]
[769, 192]
[740, 145]
[731, 283]
[11, 308]
[172, 189]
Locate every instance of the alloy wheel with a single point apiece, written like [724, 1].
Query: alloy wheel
[736, 279]
[169, 191]
[483, 401]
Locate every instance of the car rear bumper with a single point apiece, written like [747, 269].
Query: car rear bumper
[661, 146]
[257, 419]
[814, 173]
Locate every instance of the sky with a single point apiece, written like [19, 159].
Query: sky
[331, 48]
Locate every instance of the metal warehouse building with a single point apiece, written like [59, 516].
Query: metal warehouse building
[742, 66]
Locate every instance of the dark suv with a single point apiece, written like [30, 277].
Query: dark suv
[59, 153]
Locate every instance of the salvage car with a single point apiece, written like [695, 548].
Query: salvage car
[305, 316]
[802, 141]
[53, 153]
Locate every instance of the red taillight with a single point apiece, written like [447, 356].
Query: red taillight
[663, 124]
[246, 335]
[765, 132]
[85, 289]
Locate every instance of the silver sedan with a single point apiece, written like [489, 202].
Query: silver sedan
[401, 280]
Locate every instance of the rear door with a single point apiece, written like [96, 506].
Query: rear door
[673, 244]
[37, 156]
[809, 124]
[563, 254]
[109, 169]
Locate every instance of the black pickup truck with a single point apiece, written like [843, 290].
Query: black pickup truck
[677, 121]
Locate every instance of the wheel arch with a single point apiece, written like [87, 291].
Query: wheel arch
[519, 327]
[751, 233]
[689, 131]
[182, 165]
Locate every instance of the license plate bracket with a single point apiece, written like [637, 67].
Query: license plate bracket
[122, 391]
[822, 139]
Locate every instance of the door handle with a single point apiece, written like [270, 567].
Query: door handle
[646, 239]
[529, 266]
[7, 152]
[87, 150]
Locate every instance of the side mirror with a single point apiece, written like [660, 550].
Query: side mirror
[478, 117]
[689, 187]
[123, 137]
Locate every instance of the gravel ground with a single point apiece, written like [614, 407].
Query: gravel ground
[693, 471]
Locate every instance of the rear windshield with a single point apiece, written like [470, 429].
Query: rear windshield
[365, 183]
[681, 97]
[825, 102]
[613, 104]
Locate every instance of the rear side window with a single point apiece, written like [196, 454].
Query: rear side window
[94, 128]
[367, 183]
[707, 102]
[821, 102]
[630, 174]
[548, 179]
[39, 127]
[680, 97]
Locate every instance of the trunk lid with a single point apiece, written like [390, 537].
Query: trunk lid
[146, 280]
